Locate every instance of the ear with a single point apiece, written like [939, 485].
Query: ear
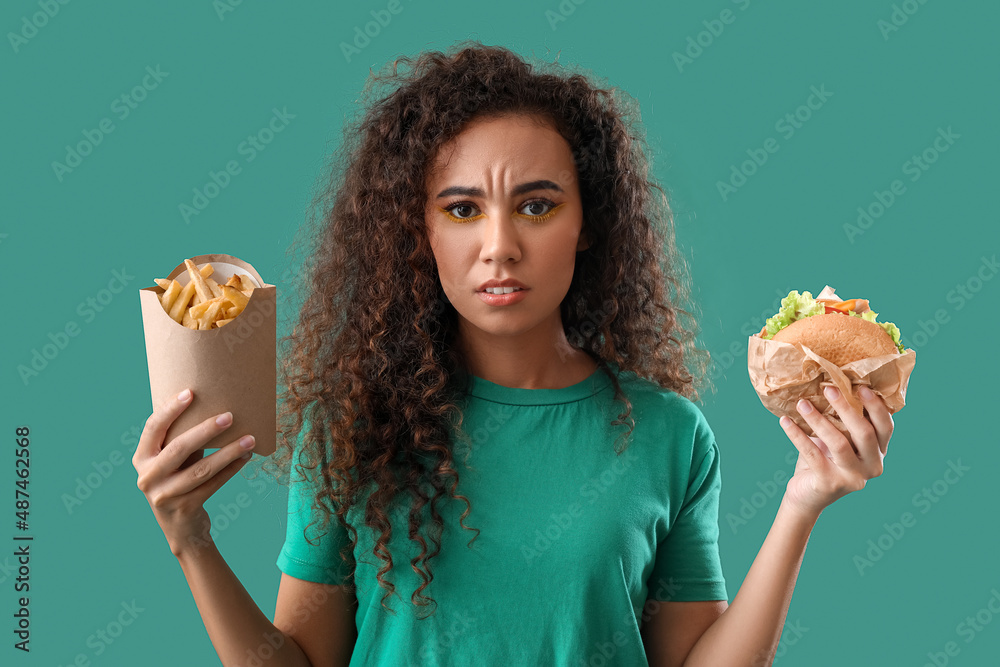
[585, 241]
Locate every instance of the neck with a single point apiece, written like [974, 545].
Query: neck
[538, 359]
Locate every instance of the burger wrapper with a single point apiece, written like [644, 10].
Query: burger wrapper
[232, 368]
[782, 373]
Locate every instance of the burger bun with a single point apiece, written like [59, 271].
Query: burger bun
[839, 338]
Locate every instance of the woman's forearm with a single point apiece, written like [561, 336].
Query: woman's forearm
[747, 633]
[239, 630]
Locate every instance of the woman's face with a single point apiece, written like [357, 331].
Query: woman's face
[503, 203]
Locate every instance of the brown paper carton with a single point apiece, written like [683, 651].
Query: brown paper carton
[230, 368]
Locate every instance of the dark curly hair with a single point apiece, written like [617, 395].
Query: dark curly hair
[372, 378]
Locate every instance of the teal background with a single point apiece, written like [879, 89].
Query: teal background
[60, 241]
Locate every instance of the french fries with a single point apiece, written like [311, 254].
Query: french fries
[203, 303]
[200, 286]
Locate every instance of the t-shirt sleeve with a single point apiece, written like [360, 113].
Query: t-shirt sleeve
[319, 561]
[688, 566]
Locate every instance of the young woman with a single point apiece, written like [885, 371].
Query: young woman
[529, 466]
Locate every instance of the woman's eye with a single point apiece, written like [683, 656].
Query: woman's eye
[461, 212]
[539, 209]
[458, 211]
[533, 211]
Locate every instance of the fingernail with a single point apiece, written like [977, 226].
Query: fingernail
[865, 392]
[804, 406]
[225, 419]
[246, 442]
[184, 396]
[247, 455]
[831, 393]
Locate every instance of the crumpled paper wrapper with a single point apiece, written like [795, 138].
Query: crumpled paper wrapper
[782, 373]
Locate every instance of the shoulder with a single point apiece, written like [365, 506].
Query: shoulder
[655, 401]
[668, 418]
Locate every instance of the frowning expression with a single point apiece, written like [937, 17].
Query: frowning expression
[503, 203]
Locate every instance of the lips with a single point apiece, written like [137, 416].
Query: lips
[507, 282]
[503, 299]
[502, 290]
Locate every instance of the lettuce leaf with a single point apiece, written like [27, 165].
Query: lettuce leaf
[795, 306]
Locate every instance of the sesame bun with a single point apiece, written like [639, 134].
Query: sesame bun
[839, 338]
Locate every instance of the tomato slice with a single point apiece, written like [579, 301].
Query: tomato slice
[845, 307]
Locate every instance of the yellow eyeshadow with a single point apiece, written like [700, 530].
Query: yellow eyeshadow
[460, 220]
[544, 216]
[535, 218]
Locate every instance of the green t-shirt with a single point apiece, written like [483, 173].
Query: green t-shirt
[577, 542]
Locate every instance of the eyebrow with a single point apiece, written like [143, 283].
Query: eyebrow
[518, 190]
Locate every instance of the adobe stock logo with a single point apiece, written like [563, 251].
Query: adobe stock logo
[915, 167]
[961, 294]
[924, 500]
[103, 637]
[786, 125]
[249, 148]
[696, 46]
[372, 29]
[60, 340]
[122, 106]
[223, 7]
[967, 629]
[561, 12]
[560, 523]
[767, 490]
[38, 20]
[899, 17]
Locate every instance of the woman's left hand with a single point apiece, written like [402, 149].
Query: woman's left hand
[830, 466]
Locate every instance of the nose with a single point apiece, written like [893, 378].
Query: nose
[501, 239]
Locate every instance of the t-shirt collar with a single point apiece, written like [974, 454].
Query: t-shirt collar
[491, 391]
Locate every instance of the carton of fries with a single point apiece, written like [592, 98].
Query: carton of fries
[210, 325]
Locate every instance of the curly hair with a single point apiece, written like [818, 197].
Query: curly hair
[372, 380]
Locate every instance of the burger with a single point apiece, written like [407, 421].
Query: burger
[839, 331]
[817, 342]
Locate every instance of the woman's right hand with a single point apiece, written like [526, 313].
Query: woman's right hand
[177, 478]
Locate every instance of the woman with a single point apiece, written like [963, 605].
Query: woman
[540, 448]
